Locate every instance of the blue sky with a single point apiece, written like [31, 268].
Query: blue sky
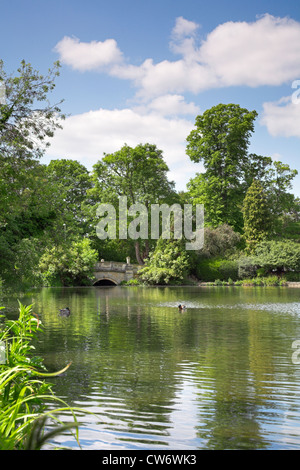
[140, 71]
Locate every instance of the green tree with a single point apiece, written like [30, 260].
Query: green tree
[278, 184]
[71, 181]
[29, 213]
[27, 122]
[219, 241]
[25, 127]
[220, 142]
[257, 216]
[138, 173]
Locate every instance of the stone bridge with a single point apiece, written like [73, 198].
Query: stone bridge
[109, 273]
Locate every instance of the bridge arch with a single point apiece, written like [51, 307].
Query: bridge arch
[105, 282]
[113, 272]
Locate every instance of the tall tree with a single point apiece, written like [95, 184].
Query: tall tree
[27, 122]
[220, 142]
[138, 173]
[27, 119]
[71, 181]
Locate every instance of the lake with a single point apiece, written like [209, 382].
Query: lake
[222, 374]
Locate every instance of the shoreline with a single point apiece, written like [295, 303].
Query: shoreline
[211, 284]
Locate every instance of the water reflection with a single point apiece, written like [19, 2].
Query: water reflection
[216, 376]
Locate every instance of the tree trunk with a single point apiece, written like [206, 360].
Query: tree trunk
[137, 253]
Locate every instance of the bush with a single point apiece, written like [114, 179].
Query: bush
[261, 281]
[167, 264]
[246, 267]
[131, 282]
[210, 269]
[219, 241]
[292, 276]
[229, 269]
[69, 265]
[280, 256]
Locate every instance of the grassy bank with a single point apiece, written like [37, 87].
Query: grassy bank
[257, 281]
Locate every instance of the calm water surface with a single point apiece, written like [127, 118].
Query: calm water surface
[219, 375]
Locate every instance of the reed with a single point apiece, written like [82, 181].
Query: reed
[24, 393]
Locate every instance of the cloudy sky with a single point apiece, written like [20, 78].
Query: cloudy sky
[140, 71]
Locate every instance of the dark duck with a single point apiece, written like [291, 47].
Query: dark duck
[181, 307]
[64, 312]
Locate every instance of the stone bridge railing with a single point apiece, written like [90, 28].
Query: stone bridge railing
[114, 272]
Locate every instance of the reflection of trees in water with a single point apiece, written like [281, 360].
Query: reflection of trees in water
[131, 347]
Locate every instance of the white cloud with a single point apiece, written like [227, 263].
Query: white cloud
[282, 118]
[184, 28]
[86, 137]
[263, 52]
[172, 105]
[85, 56]
[183, 38]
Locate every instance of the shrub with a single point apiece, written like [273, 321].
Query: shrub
[215, 268]
[131, 282]
[246, 267]
[69, 265]
[292, 276]
[219, 241]
[229, 269]
[167, 264]
[271, 281]
[280, 256]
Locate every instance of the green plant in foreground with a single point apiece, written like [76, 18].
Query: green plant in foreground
[24, 394]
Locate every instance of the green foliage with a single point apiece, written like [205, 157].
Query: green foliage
[29, 212]
[115, 250]
[257, 216]
[292, 276]
[220, 141]
[216, 268]
[71, 264]
[261, 282]
[219, 241]
[23, 390]
[25, 124]
[168, 264]
[72, 182]
[280, 256]
[247, 267]
[27, 201]
[138, 173]
[132, 282]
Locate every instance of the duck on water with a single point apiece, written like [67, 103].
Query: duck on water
[64, 312]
